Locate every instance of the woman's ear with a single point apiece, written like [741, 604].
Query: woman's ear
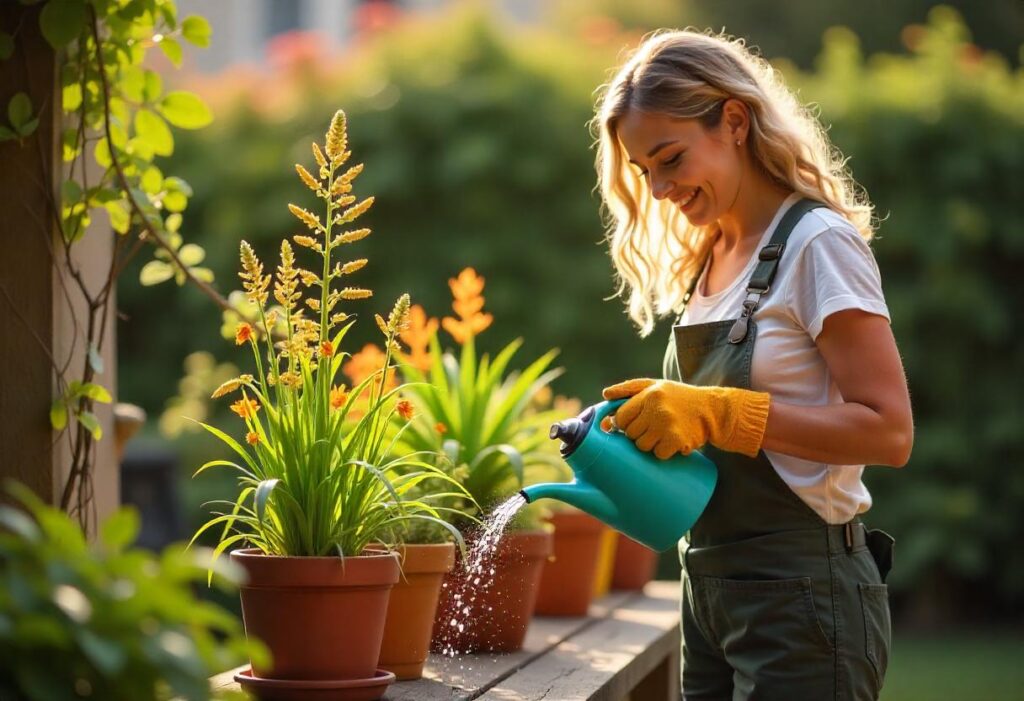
[735, 120]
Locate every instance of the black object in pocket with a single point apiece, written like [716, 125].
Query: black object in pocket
[881, 545]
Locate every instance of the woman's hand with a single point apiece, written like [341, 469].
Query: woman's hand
[671, 417]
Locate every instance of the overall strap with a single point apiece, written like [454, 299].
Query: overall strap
[767, 265]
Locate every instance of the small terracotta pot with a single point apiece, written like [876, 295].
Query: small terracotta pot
[567, 585]
[321, 617]
[412, 607]
[634, 564]
[606, 562]
[502, 613]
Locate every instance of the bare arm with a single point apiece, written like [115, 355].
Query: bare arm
[873, 425]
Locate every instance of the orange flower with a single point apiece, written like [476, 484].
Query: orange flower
[243, 333]
[252, 438]
[326, 349]
[440, 428]
[405, 409]
[338, 397]
[366, 362]
[417, 337]
[245, 407]
[468, 303]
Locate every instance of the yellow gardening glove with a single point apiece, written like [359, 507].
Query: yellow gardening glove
[671, 417]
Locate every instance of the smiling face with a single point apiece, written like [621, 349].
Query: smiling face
[699, 168]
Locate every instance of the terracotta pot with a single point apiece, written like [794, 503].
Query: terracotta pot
[501, 613]
[606, 562]
[567, 585]
[412, 607]
[320, 618]
[634, 564]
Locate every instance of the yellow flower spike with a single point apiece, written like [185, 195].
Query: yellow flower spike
[313, 303]
[345, 201]
[343, 183]
[231, 385]
[398, 319]
[253, 280]
[319, 155]
[337, 137]
[351, 293]
[355, 211]
[307, 178]
[287, 278]
[308, 277]
[305, 241]
[308, 218]
[353, 266]
[381, 324]
[338, 318]
[350, 237]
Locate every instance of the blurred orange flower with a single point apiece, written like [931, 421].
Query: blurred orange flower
[405, 409]
[417, 337]
[252, 438]
[326, 349]
[468, 303]
[440, 428]
[366, 362]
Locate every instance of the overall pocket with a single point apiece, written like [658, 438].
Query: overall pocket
[874, 599]
[753, 613]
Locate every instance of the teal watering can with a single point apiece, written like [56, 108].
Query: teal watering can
[652, 501]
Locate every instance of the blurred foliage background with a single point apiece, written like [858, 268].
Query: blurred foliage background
[475, 139]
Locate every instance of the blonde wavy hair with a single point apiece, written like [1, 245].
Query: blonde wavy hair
[689, 74]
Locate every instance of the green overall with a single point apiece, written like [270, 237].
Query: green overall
[776, 603]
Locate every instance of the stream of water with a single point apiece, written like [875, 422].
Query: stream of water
[477, 577]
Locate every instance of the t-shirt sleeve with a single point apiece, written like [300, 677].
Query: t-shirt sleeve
[834, 271]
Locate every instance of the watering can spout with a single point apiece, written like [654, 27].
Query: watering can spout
[583, 496]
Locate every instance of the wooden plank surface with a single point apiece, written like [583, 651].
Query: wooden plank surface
[469, 676]
[608, 659]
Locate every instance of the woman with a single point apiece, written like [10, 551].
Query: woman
[729, 207]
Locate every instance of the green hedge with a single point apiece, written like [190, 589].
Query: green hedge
[477, 151]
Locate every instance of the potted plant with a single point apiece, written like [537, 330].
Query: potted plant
[321, 489]
[475, 412]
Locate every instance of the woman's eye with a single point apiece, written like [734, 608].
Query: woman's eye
[672, 161]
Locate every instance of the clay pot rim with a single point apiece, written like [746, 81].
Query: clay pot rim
[425, 558]
[369, 553]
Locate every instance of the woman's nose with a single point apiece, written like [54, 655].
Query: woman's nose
[661, 188]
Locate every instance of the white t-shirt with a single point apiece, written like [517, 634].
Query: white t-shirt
[826, 267]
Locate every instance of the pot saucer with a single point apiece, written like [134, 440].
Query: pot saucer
[315, 689]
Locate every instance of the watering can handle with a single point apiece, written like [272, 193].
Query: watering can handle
[604, 409]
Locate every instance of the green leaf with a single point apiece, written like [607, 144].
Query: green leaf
[71, 97]
[107, 655]
[6, 134]
[185, 109]
[91, 423]
[175, 201]
[120, 529]
[102, 153]
[153, 87]
[6, 46]
[70, 192]
[171, 49]
[120, 219]
[196, 30]
[191, 254]
[262, 494]
[95, 392]
[152, 180]
[58, 414]
[61, 21]
[19, 110]
[28, 127]
[152, 129]
[154, 272]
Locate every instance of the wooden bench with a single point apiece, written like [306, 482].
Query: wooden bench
[627, 649]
